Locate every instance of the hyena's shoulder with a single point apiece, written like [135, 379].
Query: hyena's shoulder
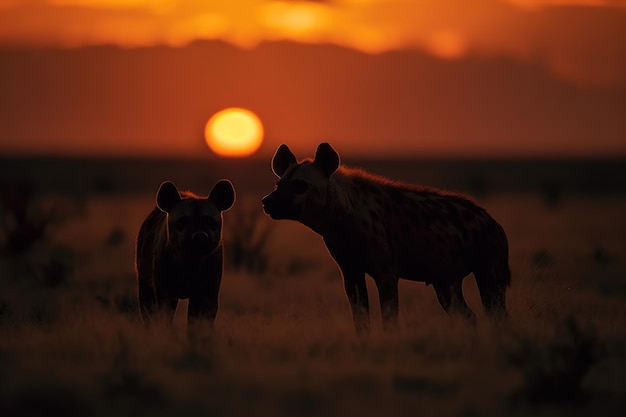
[399, 194]
[151, 226]
[147, 240]
[447, 206]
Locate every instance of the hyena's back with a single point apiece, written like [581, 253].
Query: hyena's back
[433, 235]
[437, 237]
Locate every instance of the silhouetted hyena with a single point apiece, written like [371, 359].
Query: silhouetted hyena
[179, 252]
[391, 230]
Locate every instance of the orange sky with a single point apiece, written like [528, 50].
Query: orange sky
[429, 77]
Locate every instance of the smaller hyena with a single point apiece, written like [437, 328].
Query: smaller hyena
[179, 252]
[391, 230]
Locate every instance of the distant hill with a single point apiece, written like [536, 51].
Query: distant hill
[154, 101]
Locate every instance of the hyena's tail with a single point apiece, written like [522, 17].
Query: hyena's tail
[492, 285]
[493, 275]
[506, 274]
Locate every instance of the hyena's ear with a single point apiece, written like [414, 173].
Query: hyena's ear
[167, 196]
[283, 159]
[223, 195]
[326, 158]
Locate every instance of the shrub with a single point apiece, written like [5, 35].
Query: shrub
[24, 219]
[554, 371]
[27, 222]
[247, 233]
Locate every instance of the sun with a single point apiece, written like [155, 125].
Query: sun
[234, 132]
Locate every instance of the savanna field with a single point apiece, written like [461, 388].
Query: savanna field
[71, 342]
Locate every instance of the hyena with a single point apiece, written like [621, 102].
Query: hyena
[179, 252]
[391, 230]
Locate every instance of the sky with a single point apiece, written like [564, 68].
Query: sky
[373, 77]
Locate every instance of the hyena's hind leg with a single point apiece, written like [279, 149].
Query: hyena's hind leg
[387, 286]
[152, 305]
[202, 308]
[167, 306]
[147, 302]
[356, 290]
[450, 296]
[492, 284]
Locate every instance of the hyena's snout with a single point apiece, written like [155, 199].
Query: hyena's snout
[269, 203]
[200, 241]
[279, 205]
[200, 238]
[273, 206]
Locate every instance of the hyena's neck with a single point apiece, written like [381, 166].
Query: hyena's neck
[318, 221]
[341, 200]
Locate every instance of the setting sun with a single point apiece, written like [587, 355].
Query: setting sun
[234, 132]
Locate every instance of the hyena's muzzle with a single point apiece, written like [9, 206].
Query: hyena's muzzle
[277, 206]
[199, 242]
[269, 205]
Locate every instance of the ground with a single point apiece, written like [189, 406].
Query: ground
[71, 339]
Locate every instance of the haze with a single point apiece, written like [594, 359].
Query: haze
[428, 78]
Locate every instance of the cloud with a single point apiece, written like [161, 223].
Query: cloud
[535, 4]
[583, 41]
[157, 6]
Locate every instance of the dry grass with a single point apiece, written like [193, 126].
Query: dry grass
[284, 344]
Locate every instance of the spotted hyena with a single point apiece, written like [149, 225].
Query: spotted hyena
[179, 252]
[391, 230]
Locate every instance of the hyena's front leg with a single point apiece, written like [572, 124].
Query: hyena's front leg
[356, 290]
[202, 308]
[147, 301]
[167, 305]
[387, 285]
[450, 296]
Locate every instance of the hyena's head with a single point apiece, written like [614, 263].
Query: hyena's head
[194, 224]
[300, 193]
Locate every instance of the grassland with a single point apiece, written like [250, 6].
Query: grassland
[71, 342]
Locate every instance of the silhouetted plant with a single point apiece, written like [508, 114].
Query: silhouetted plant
[298, 265]
[542, 258]
[554, 372]
[601, 256]
[115, 238]
[409, 383]
[551, 194]
[40, 310]
[198, 355]
[6, 312]
[126, 303]
[32, 260]
[57, 269]
[49, 267]
[247, 233]
[24, 219]
[125, 385]
[44, 397]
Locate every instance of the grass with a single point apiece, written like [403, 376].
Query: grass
[284, 344]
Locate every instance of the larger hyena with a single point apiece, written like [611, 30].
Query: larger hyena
[179, 252]
[391, 230]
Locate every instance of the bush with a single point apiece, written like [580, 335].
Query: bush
[554, 372]
[247, 233]
[25, 220]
